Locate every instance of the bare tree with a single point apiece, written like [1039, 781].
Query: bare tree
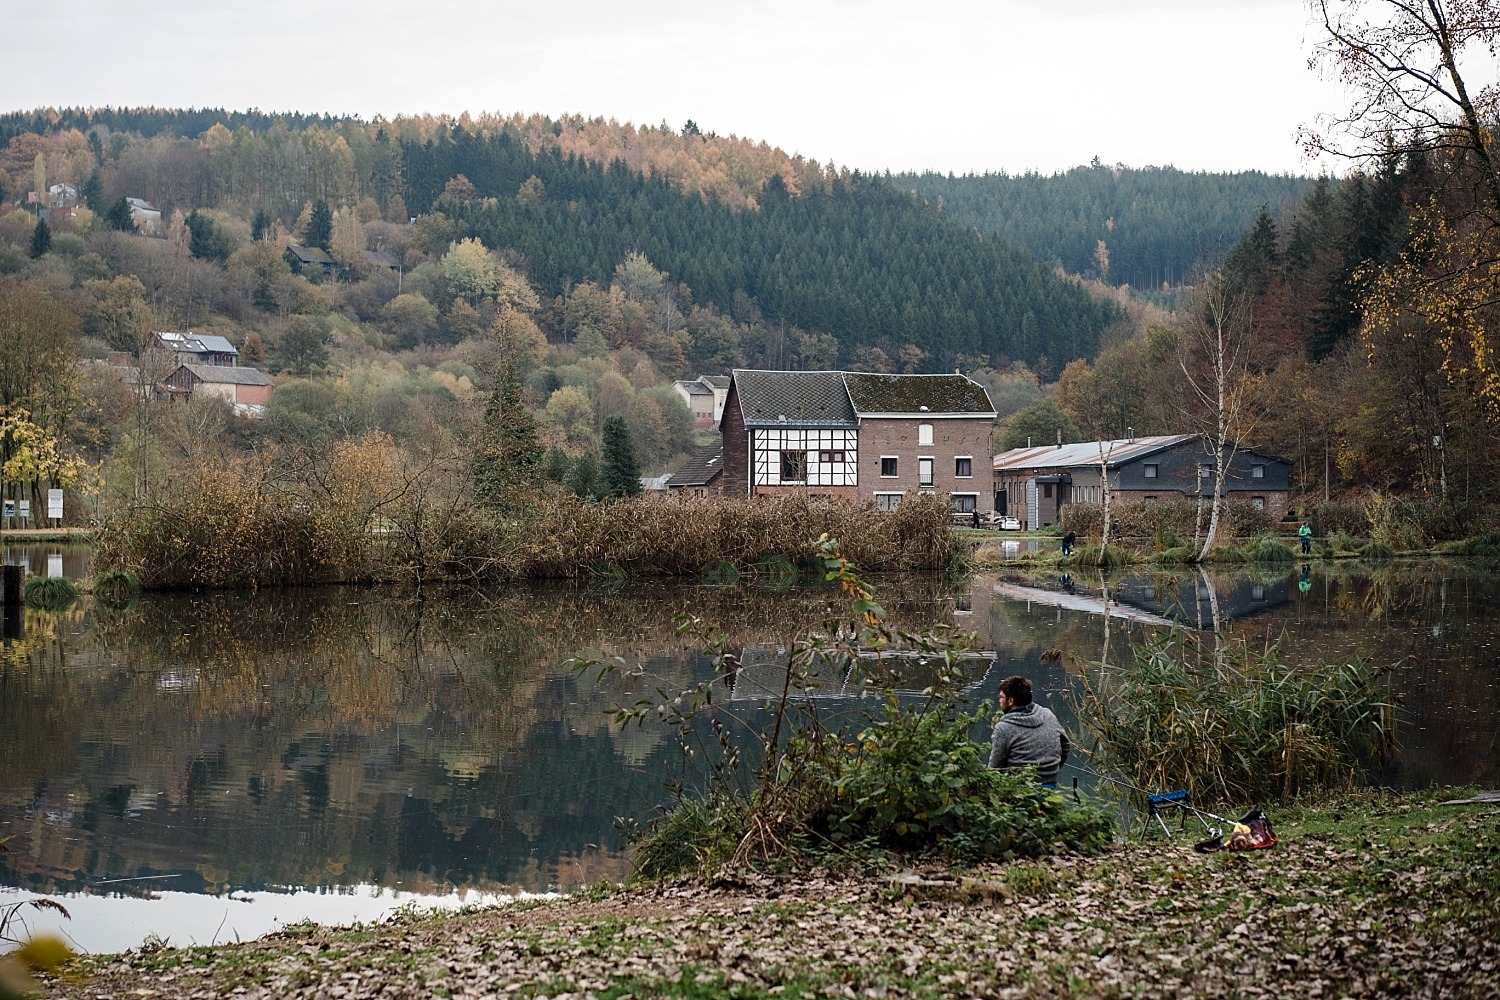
[1212, 354]
[1406, 75]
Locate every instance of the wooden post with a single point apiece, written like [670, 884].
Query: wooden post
[12, 584]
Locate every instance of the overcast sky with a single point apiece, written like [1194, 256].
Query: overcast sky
[951, 85]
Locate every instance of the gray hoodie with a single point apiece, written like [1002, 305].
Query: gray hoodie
[1029, 736]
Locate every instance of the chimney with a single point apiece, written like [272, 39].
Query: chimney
[1059, 437]
[1130, 433]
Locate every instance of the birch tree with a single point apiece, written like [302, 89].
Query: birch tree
[1213, 351]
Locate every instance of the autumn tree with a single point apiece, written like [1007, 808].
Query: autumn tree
[1412, 68]
[303, 348]
[1037, 425]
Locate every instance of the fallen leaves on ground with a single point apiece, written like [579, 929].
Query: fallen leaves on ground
[1407, 908]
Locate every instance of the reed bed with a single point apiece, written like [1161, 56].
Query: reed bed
[242, 526]
[1234, 724]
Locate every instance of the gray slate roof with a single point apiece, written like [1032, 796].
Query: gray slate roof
[702, 468]
[799, 399]
[310, 255]
[232, 376]
[839, 399]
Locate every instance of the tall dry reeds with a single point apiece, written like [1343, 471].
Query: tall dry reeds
[368, 513]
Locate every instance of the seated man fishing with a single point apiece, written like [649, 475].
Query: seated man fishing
[1028, 734]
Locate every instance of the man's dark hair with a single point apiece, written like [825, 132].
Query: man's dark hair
[1017, 689]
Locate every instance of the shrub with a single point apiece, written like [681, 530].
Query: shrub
[1232, 724]
[1346, 518]
[49, 593]
[116, 589]
[1268, 548]
[913, 781]
[1377, 552]
[1394, 523]
[1089, 555]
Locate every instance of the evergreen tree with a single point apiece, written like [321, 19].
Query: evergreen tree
[319, 227]
[259, 225]
[621, 473]
[118, 216]
[92, 191]
[207, 242]
[508, 450]
[583, 478]
[41, 238]
[555, 465]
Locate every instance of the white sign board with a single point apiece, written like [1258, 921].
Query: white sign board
[54, 504]
[25, 510]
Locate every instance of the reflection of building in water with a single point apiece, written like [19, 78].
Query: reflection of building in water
[1193, 600]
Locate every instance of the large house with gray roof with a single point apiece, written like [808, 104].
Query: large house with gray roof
[858, 435]
[1034, 484]
[199, 348]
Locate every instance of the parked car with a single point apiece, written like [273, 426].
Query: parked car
[1007, 523]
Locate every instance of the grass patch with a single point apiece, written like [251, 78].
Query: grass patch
[49, 593]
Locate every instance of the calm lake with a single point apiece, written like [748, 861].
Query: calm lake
[213, 766]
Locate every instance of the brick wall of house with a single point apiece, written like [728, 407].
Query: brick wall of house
[880, 437]
[254, 395]
[735, 480]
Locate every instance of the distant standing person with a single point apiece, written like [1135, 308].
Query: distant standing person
[1068, 541]
[1304, 532]
[1028, 734]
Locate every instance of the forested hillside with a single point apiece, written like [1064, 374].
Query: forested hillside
[825, 251]
[1143, 227]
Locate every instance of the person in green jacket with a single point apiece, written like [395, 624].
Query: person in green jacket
[1304, 532]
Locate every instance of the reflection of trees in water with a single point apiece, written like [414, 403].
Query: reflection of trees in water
[336, 736]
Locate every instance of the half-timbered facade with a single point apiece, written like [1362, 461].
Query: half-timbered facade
[858, 435]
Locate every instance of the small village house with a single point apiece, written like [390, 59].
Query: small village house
[305, 260]
[858, 435]
[247, 390]
[1034, 484]
[199, 348]
[699, 475]
[705, 397]
[146, 215]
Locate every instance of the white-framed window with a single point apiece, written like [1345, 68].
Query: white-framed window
[963, 467]
[829, 457]
[887, 501]
[924, 434]
[1150, 470]
[1257, 472]
[1259, 503]
[964, 503]
[889, 465]
[924, 471]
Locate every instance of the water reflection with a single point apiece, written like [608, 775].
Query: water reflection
[344, 741]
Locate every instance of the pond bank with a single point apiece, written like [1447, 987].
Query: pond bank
[1370, 894]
